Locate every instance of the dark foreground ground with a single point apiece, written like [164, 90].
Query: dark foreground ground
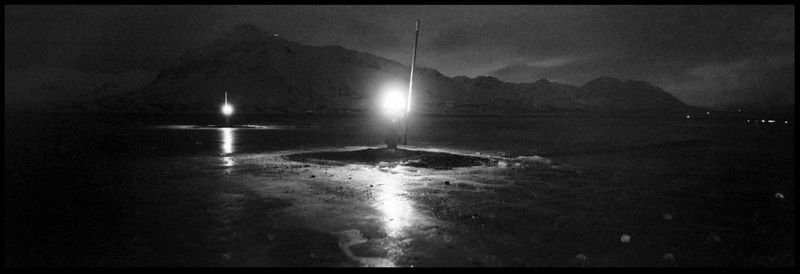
[300, 193]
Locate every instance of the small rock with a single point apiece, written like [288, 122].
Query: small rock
[625, 238]
[669, 257]
[270, 237]
[713, 237]
[581, 257]
[226, 256]
[667, 216]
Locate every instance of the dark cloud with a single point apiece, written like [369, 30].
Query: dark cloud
[104, 38]
[699, 53]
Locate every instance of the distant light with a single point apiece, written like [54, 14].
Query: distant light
[688, 116]
[625, 238]
[748, 121]
[740, 110]
[708, 113]
[276, 35]
[771, 121]
[227, 109]
[785, 122]
[763, 121]
[778, 195]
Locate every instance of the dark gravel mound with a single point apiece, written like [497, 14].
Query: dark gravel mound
[414, 158]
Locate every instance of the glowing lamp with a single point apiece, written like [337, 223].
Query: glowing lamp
[394, 104]
[227, 109]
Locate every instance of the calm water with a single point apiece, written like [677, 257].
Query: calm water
[75, 185]
[173, 134]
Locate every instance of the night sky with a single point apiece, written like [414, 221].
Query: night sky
[705, 55]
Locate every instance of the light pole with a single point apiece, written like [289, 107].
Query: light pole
[410, 85]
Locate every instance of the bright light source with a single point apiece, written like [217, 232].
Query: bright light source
[394, 104]
[771, 121]
[227, 109]
[708, 113]
[688, 116]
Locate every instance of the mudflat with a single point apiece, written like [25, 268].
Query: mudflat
[103, 194]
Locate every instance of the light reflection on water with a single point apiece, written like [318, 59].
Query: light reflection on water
[244, 127]
[228, 161]
[227, 140]
[397, 210]
[227, 146]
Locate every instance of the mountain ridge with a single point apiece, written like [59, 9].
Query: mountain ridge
[264, 73]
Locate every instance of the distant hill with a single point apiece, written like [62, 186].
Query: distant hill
[612, 95]
[263, 73]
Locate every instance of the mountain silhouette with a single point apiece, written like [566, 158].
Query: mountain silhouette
[264, 73]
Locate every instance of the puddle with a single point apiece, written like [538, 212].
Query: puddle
[351, 237]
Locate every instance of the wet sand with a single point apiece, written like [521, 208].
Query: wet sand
[82, 200]
[526, 211]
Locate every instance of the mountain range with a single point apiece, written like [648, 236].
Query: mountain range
[264, 73]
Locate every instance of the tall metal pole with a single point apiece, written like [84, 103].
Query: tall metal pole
[410, 84]
[227, 117]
